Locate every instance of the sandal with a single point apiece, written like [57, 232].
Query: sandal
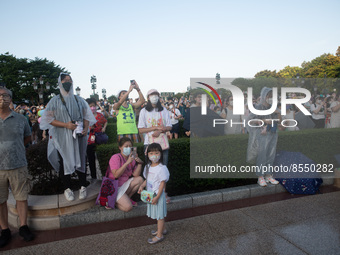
[154, 232]
[158, 239]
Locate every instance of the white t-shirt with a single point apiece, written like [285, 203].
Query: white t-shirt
[235, 128]
[153, 119]
[289, 116]
[320, 115]
[172, 116]
[156, 175]
[335, 116]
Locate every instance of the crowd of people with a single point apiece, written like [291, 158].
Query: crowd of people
[71, 126]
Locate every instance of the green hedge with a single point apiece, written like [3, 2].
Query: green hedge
[111, 130]
[318, 144]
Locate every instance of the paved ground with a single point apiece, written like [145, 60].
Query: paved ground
[303, 225]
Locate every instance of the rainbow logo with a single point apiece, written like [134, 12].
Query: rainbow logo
[209, 93]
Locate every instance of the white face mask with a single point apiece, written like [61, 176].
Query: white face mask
[153, 99]
[171, 106]
[231, 103]
[127, 151]
[269, 101]
[155, 158]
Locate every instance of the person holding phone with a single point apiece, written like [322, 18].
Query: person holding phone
[154, 119]
[124, 111]
[126, 166]
[175, 115]
[318, 112]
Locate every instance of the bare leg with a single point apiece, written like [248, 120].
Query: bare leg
[160, 229]
[22, 209]
[124, 204]
[134, 186]
[3, 215]
[176, 136]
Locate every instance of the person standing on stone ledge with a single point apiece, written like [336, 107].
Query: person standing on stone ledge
[68, 118]
[15, 133]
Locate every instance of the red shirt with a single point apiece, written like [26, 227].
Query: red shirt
[97, 127]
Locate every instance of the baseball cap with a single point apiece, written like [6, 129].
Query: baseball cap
[151, 91]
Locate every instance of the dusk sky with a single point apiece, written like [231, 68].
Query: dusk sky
[162, 44]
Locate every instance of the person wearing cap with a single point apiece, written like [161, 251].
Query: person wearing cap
[126, 119]
[154, 119]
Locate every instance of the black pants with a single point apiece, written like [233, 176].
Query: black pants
[91, 158]
[319, 123]
[66, 178]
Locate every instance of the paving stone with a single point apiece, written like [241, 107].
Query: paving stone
[319, 235]
[257, 191]
[287, 211]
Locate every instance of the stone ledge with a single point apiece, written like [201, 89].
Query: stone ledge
[90, 213]
[44, 211]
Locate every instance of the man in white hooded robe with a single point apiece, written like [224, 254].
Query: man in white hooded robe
[263, 140]
[68, 118]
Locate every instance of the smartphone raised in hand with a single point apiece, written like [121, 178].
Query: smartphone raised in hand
[133, 82]
[134, 152]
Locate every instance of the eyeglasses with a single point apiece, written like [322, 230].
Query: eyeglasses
[5, 96]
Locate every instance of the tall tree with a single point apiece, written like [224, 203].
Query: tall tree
[266, 73]
[290, 72]
[18, 74]
[112, 99]
[338, 52]
[321, 66]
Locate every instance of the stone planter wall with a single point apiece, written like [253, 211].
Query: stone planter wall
[44, 212]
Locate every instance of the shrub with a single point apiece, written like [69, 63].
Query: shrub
[45, 180]
[318, 144]
[38, 165]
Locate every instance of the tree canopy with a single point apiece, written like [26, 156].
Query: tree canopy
[324, 66]
[18, 75]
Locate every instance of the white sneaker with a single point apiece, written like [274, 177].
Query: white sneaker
[270, 179]
[82, 192]
[68, 193]
[261, 182]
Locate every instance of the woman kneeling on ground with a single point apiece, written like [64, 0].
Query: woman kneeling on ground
[127, 168]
